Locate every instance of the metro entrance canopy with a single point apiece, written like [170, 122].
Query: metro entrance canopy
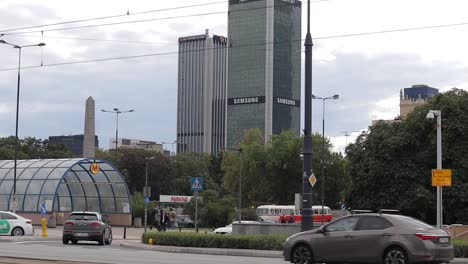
[64, 185]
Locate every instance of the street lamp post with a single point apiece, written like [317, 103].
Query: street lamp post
[430, 118]
[116, 111]
[146, 191]
[307, 222]
[17, 110]
[240, 183]
[323, 143]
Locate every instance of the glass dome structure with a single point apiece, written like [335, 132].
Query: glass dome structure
[64, 185]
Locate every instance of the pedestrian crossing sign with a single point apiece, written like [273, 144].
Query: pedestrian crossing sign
[197, 184]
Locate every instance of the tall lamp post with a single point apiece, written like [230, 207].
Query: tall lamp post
[430, 117]
[116, 111]
[20, 48]
[322, 164]
[240, 183]
[307, 222]
[146, 190]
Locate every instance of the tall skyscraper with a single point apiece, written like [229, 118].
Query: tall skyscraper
[201, 98]
[264, 67]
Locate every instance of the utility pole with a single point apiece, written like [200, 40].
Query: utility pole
[307, 222]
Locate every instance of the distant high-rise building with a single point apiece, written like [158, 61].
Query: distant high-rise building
[126, 143]
[414, 96]
[264, 67]
[201, 98]
[75, 143]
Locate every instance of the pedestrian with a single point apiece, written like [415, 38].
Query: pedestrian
[173, 217]
[283, 219]
[162, 220]
[291, 218]
[167, 221]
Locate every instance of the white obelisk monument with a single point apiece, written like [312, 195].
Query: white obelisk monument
[89, 144]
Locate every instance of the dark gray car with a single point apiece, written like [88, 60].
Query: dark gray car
[89, 226]
[370, 238]
[184, 221]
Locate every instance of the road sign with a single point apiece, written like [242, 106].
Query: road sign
[442, 177]
[43, 209]
[312, 180]
[197, 184]
[147, 200]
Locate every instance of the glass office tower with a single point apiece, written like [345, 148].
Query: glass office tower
[264, 68]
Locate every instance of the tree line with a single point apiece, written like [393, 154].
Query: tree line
[389, 166]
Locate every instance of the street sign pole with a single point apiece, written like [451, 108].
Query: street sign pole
[439, 166]
[196, 211]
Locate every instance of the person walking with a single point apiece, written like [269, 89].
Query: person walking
[162, 220]
[167, 221]
[173, 216]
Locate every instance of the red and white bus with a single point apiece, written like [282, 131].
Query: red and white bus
[273, 213]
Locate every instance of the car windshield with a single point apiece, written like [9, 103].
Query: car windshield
[413, 223]
[83, 217]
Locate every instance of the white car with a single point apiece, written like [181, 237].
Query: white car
[14, 225]
[228, 229]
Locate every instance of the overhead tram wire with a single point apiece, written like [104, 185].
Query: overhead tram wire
[94, 39]
[117, 16]
[112, 16]
[247, 45]
[144, 20]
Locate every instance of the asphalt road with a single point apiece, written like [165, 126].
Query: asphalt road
[89, 253]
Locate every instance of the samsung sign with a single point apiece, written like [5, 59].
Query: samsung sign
[287, 101]
[247, 100]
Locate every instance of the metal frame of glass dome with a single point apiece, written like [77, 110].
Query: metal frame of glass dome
[64, 185]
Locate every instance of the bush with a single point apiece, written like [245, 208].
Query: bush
[460, 248]
[261, 242]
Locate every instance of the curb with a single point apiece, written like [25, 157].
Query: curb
[207, 251]
[26, 238]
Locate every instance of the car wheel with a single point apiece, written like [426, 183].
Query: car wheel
[74, 242]
[101, 240]
[395, 256]
[17, 231]
[302, 254]
[109, 239]
[65, 241]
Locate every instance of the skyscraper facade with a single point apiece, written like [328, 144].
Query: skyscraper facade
[201, 98]
[264, 67]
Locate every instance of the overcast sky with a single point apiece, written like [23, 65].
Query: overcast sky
[366, 71]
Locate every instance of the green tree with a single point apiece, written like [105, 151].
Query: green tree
[390, 166]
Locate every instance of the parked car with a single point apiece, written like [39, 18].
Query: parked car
[228, 229]
[88, 226]
[14, 225]
[184, 221]
[370, 238]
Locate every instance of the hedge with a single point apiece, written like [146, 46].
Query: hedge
[261, 242]
[182, 239]
[460, 248]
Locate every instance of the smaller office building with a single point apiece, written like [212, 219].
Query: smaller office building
[74, 143]
[63, 186]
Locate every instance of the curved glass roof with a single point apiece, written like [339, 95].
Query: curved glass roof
[63, 185]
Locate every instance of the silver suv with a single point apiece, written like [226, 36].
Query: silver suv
[88, 226]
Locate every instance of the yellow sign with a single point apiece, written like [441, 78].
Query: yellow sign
[442, 177]
[94, 168]
[312, 180]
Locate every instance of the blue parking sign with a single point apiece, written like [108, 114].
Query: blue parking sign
[197, 184]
